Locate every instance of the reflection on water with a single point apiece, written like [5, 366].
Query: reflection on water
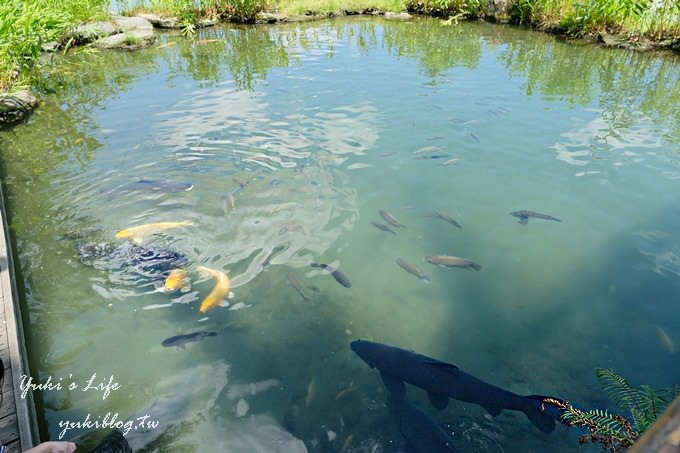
[291, 140]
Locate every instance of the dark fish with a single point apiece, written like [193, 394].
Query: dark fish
[443, 380]
[447, 218]
[474, 136]
[452, 261]
[422, 434]
[389, 218]
[382, 226]
[149, 262]
[152, 185]
[411, 269]
[524, 216]
[181, 340]
[339, 276]
[431, 156]
[295, 283]
[114, 442]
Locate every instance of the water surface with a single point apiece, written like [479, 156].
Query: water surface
[294, 137]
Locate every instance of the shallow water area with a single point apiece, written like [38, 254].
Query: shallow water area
[280, 146]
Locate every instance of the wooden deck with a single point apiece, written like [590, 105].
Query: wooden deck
[18, 425]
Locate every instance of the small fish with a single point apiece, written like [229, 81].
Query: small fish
[152, 185]
[389, 218]
[311, 392]
[431, 156]
[382, 226]
[339, 276]
[447, 218]
[427, 150]
[665, 339]
[219, 293]
[167, 44]
[347, 443]
[525, 215]
[411, 269]
[201, 42]
[181, 340]
[345, 392]
[452, 261]
[474, 136]
[295, 283]
[177, 279]
[136, 233]
[449, 162]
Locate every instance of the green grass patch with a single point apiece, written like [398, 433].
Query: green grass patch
[326, 7]
[26, 26]
[653, 19]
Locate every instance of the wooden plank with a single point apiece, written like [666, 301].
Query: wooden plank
[8, 429]
[11, 327]
[664, 435]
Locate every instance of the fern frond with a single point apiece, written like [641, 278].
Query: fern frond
[620, 391]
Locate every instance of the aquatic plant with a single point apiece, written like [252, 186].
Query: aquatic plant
[615, 432]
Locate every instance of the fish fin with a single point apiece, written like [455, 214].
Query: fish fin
[230, 295]
[542, 415]
[396, 386]
[523, 221]
[223, 303]
[137, 240]
[438, 401]
[425, 278]
[449, 367]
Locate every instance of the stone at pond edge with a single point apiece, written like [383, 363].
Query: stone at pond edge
[499, 10]
[161, 22]
[86, 33]
[137, 32]
[16, 107]
[399, 16]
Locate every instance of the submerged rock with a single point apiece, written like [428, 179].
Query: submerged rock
[16, 107]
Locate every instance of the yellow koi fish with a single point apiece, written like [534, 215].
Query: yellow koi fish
[136, 233]
[177, 279]
[219, 293]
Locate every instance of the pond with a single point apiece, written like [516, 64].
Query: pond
[292, 139]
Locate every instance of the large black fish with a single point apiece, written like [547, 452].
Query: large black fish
[151, 185]
[443, 380]
[525, 215]
[422, 434]
[339, 276]
[150, 262]
[181, 340]
[114, 442]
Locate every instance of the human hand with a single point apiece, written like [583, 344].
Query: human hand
[53, 447]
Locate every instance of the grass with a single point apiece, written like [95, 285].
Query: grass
[25, 26]
[325, 7]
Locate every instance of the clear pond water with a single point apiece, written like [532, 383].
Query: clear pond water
[294, 137]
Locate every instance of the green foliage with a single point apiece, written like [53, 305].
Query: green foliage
[26, 26]
[617, 433]
[456, 8]
[643, 405]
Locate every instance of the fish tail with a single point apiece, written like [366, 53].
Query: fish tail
[187, 222]
[425, 278]
[476, 266]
